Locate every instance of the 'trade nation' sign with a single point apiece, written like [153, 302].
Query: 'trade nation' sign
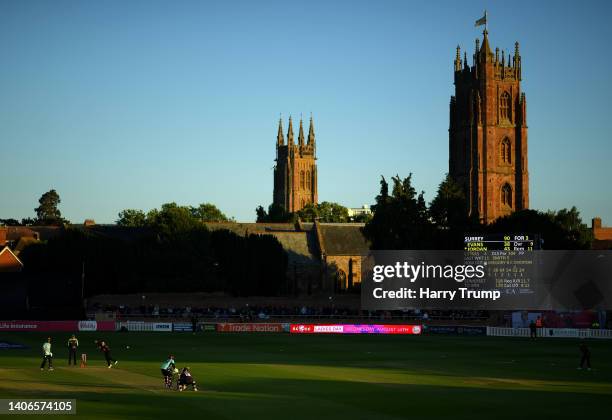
[260, 327]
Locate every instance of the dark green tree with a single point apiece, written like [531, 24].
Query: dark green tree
[172, 219]
[558, 230]
[362, 218]
[208, 212]
[48, 212]
[325, 212]
[262, 214]
[401, 220]
[332, 212]
[308, 213]
[132, 218]
[449, 209]
[275, 214]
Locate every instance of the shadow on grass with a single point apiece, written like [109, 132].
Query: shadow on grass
[316, 399]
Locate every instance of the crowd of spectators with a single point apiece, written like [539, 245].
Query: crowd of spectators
[265, 312]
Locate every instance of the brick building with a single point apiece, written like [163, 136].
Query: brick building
[488, 132]
[295, 172]
[322, 257]
[602, 235]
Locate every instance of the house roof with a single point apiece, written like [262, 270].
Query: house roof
[9, 262]
[14, 233]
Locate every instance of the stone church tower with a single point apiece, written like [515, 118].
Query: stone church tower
[295, 172]
[488, 132]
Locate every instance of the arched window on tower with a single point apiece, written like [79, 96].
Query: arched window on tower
[506, 151]
[504, 107]
[506, 195]
[308, 180]
[302, 181]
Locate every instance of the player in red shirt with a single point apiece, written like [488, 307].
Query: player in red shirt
[105, 349]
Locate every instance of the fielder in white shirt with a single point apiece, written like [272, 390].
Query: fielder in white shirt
[47, 355]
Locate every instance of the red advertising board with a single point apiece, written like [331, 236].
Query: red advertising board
[230, 327]
[67, 326]
[355, 329]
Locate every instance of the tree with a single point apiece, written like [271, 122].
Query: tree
[47, 212]
[362, 218]
[401, 220]
[172, 220]
[132, 218]
[275, 214]
[449, 209]
[207, 212]
[577, 231]
[325, 212]
[308, 213]
[262, 214]
[558, 230]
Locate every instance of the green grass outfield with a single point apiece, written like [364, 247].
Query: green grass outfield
[282, 376]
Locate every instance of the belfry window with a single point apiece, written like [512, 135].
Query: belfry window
[506, 195]
[302, 181]
[504, 107]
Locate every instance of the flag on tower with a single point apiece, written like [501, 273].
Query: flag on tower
[482, 20]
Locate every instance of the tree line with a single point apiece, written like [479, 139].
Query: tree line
[324, 212]
[171, 251]
[403, 220]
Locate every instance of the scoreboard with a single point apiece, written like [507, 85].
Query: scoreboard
[510, 262]
[501, 242]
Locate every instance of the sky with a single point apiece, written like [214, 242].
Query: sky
[131, 104]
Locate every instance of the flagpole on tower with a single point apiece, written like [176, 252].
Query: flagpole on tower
[482, 21]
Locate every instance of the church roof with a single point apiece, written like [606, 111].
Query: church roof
[342, 238]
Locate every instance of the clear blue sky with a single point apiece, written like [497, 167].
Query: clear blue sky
[130, 104]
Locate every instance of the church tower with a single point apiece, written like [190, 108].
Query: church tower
[295, 172]
[488, 132]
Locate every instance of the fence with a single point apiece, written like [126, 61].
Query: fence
[144, 326]
[490, 331]
[549, 332]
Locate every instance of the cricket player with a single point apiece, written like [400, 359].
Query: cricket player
[104, 348]
[185, 379]
[533, 330]
[167, 370]
[585, 360]
[47, 355]
[73, 345]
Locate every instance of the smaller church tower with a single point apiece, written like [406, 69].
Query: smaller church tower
[295, 172]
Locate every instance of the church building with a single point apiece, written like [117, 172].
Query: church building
[488, 132]
[295, 172]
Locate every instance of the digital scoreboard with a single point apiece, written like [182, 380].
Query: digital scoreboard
[501, 242]
[509, 258]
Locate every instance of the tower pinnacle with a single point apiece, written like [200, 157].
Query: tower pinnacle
[280, 139]
[458, 59]
[290, 132]
[311, 133]
[301, 134]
